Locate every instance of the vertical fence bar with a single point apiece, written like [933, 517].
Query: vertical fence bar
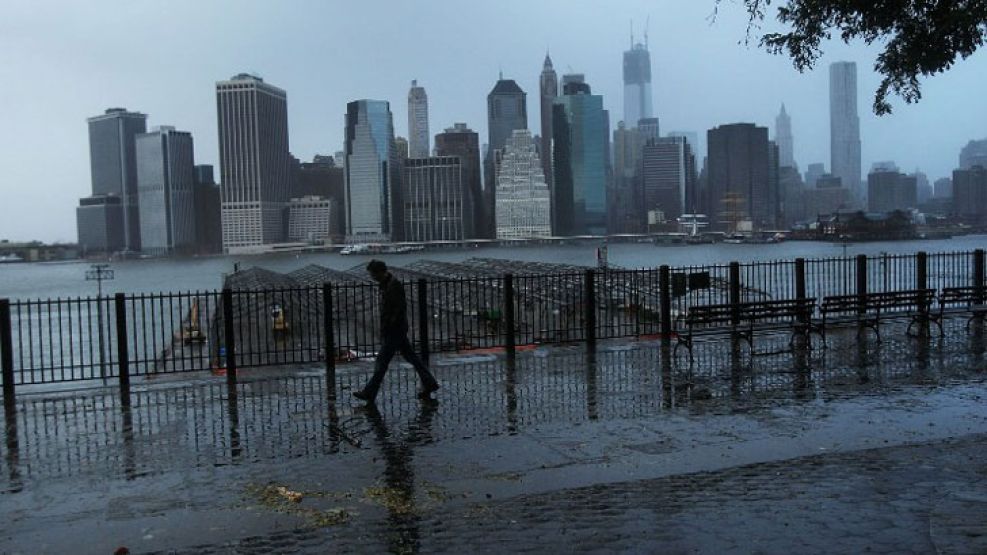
[589, 287]
[123, 356]
[861, 283]
[329, 340]
[6, 354]
[665, 302]
[922, 279]
[230, 334]
[423, 318]
[509, 315]
[735, 292]
[978, 274]
[800, 278]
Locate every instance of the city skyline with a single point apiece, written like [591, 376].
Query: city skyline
[691, 95]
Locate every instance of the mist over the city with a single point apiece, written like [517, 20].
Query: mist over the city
[65, 62]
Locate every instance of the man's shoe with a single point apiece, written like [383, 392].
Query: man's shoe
[363, 396]
[426, 391]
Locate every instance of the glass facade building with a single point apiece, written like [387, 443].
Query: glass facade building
[461, 141]
[637, 84]
[113, 166]
[844, 126]
[372, 182]
[581, 162]
[166, 184]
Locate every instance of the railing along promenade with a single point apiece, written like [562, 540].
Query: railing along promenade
[452, 307]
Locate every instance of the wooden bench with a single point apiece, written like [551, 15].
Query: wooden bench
[868, 310]
[966, 299]
[744, 319]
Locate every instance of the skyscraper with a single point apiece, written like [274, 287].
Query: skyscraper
[844, 125]
[506, 111]
[637, 83]
[253, 160]
[889, 189]
[459, 140]
[668, 177]
[974, 154]
[970, 194]
[783, 137]
[166, 185]
[418, 136]
[113, 166]
[523, 201]
[549, 89]
[434, 200]
[740, 178]
[208, 212]
[372, 174]
[581, 160]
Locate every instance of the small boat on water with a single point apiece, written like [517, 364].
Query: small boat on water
[10, 258]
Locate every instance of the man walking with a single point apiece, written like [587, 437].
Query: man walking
[394, 332]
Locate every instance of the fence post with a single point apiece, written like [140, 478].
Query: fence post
[735, 292]
[800, 294]
[230, 334]
[665, 302]
[329, 341]
[589, 287]
[922, 279]
[7, 354]
[423, 318]
[509, 342]
[861, 283]
[978, 274]
[123, 355]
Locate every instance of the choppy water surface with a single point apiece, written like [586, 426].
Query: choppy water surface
[46, 280]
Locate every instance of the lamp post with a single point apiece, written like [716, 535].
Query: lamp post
[99, 273]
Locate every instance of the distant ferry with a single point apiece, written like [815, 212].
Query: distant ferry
[6, 258]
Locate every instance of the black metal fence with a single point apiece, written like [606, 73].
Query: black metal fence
[114, 338]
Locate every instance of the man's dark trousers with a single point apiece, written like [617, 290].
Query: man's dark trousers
[394, 342]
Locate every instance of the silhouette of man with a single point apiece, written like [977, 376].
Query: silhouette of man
[394, 332]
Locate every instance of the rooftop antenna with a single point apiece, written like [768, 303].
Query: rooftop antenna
[647, 23]
[632, 34]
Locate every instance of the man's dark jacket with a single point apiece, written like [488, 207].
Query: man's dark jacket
[393, 308]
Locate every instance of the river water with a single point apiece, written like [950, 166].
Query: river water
[67, 279]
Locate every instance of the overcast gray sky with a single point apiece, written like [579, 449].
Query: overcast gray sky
[65, 61]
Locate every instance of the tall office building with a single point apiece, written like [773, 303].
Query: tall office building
[690, 137]
[166, 186]
[970, 194]
[637, 83]
[888, 189]
[783, 137]
[813, 173]
[668, 178]
[253, 160]
[208, 212]
[581, 162]
[974, 154]
[434, 199]
[459, 140]
[523, 200]
[648, 129]
[549, 89]
[739, 176]
[844, 126]
[418, 136]
[100, 224]
[372, 181]
[113, 166]
[506, 111]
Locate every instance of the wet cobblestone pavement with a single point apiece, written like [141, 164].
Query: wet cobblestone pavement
[864, 447]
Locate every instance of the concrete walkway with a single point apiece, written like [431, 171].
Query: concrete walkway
[863, 447]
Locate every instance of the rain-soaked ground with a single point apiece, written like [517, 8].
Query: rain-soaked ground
[861, 447]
